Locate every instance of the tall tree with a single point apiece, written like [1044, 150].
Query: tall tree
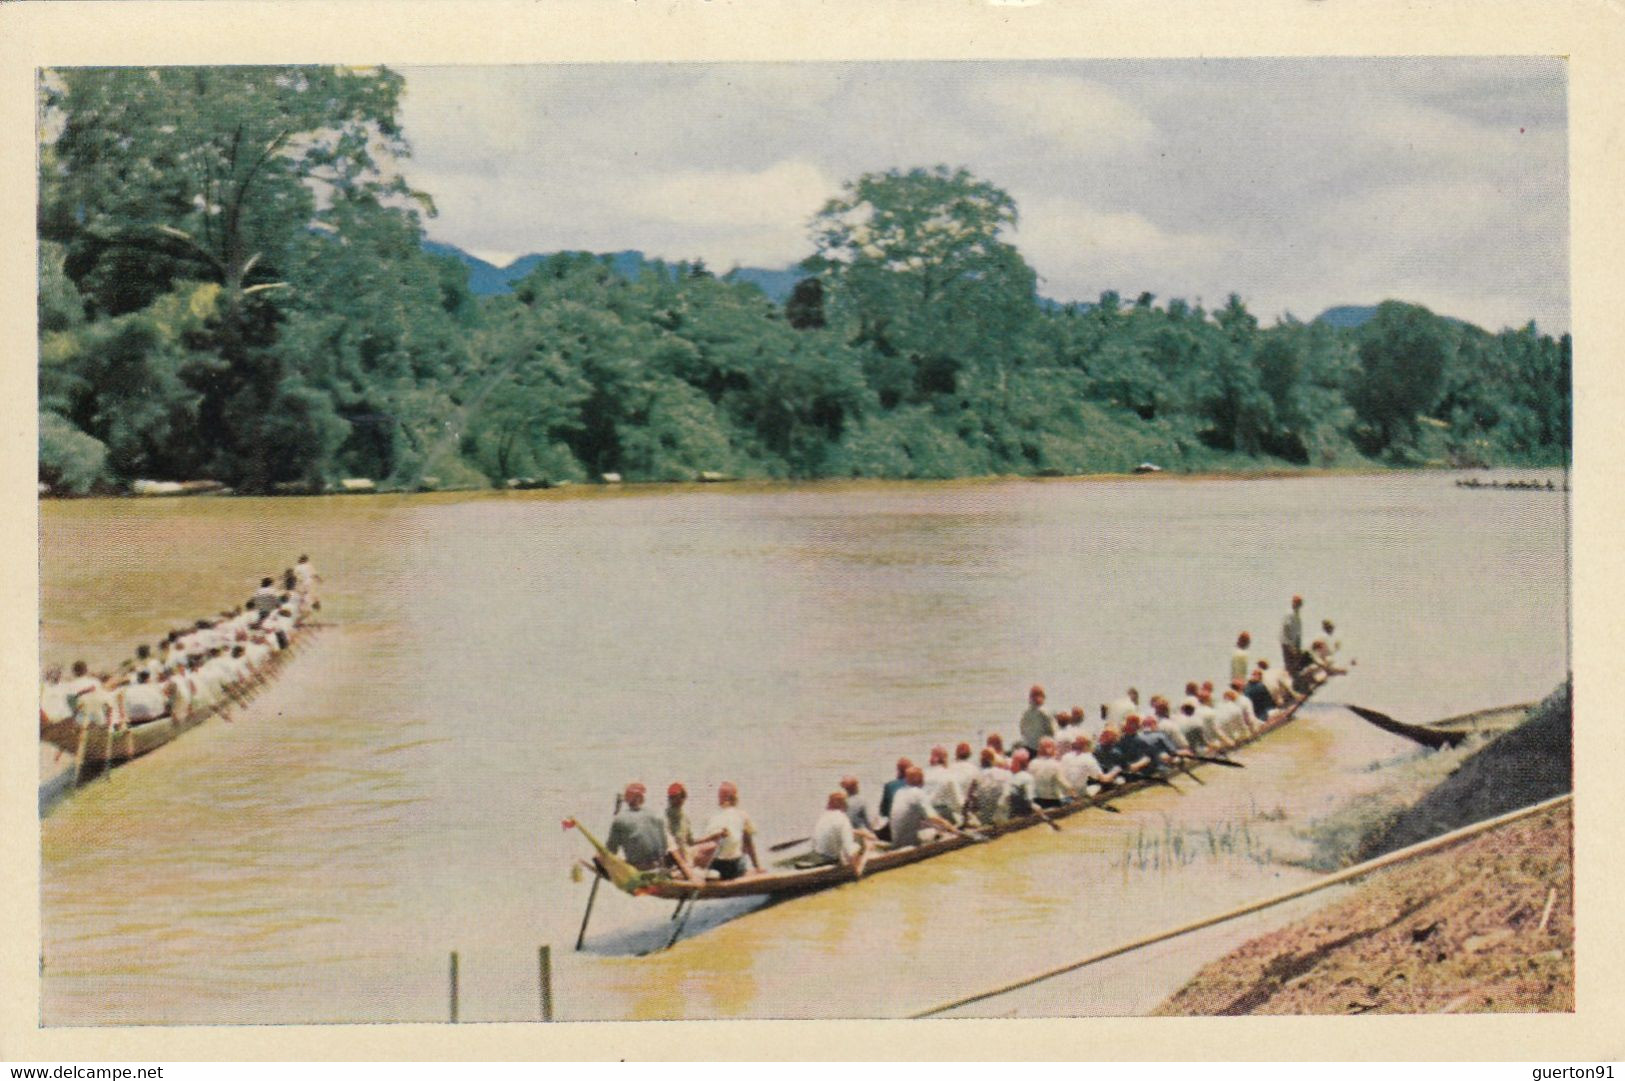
[916, 264]
[1404, 350]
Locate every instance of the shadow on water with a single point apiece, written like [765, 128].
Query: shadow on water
[649, 936]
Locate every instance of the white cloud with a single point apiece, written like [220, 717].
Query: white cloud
[1296, 183]
[786, 193]
[1067, 112]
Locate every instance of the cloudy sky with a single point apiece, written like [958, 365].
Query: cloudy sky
[1297, 183]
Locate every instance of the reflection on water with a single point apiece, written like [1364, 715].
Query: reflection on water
[499, 662]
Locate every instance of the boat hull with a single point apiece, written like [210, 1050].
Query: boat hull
[790, 883]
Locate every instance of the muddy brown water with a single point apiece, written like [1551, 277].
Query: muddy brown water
[498, 662]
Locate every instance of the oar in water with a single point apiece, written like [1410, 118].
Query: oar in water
[1231, 762]
[1154, 778]
[592, 894]
[1048, 821]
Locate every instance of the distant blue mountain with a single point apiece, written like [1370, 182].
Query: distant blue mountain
[1347, 315]
[486, 279]
[1358, 315]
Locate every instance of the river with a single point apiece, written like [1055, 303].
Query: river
[497, 662]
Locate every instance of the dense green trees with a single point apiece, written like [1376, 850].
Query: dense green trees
[232, 284]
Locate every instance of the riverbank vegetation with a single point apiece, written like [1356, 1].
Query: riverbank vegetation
[233, 286]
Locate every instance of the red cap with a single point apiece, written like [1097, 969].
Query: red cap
[1131, 723]
[636, 786]
[1108, 736]
[903, 765]
[962, 751]
[1296, 600]
[989, 756]
[996, 741]
[676, 789]
[1037, 691]
[915, 776]
[850, 783]
[836, 801]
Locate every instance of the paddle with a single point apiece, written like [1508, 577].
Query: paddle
[1231, 762]
[782, 845]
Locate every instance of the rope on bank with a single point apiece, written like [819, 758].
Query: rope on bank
[1349, 874]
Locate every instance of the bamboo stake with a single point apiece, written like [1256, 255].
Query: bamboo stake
[1348, 875]
[544, 976]
[454, 987]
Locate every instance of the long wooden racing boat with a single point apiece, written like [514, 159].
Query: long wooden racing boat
[787, 882]
[104, 746]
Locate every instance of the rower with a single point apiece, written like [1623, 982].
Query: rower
[995, 743]
[736, 836]
[835, 841]
[681, 830]
[942, 790]
[964, 768]
[1022, 789]
[266, 598]
[911, 813]
[857, 807]
[1238, 659]
[1118, 711]
[1229, 719]
[1259, 695]
[1190, 727]
[1249, 715]
[989, 796]
[638, 834]
[1082, 770]
[1166, 724]
[889, 793]
[1161, 742]
[1037, 722]
[143, 700]
[1320, 666]
[1278, 682]
[86, 697]
[1207, 715]
[1134, 752]
[53, 698]
[1050, 789]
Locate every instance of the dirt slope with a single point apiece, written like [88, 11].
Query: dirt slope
[1483, 926]
[1530, 763]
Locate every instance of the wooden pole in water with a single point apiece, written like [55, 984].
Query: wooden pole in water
[79, 756]
[592, 895]
[544, 977]
[454, 987]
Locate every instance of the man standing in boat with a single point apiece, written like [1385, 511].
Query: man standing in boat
[305, 579]
[1292, 638]
[1037, 722]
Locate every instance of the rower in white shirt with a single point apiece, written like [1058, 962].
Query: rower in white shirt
[1117, 712]
[143, 700]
